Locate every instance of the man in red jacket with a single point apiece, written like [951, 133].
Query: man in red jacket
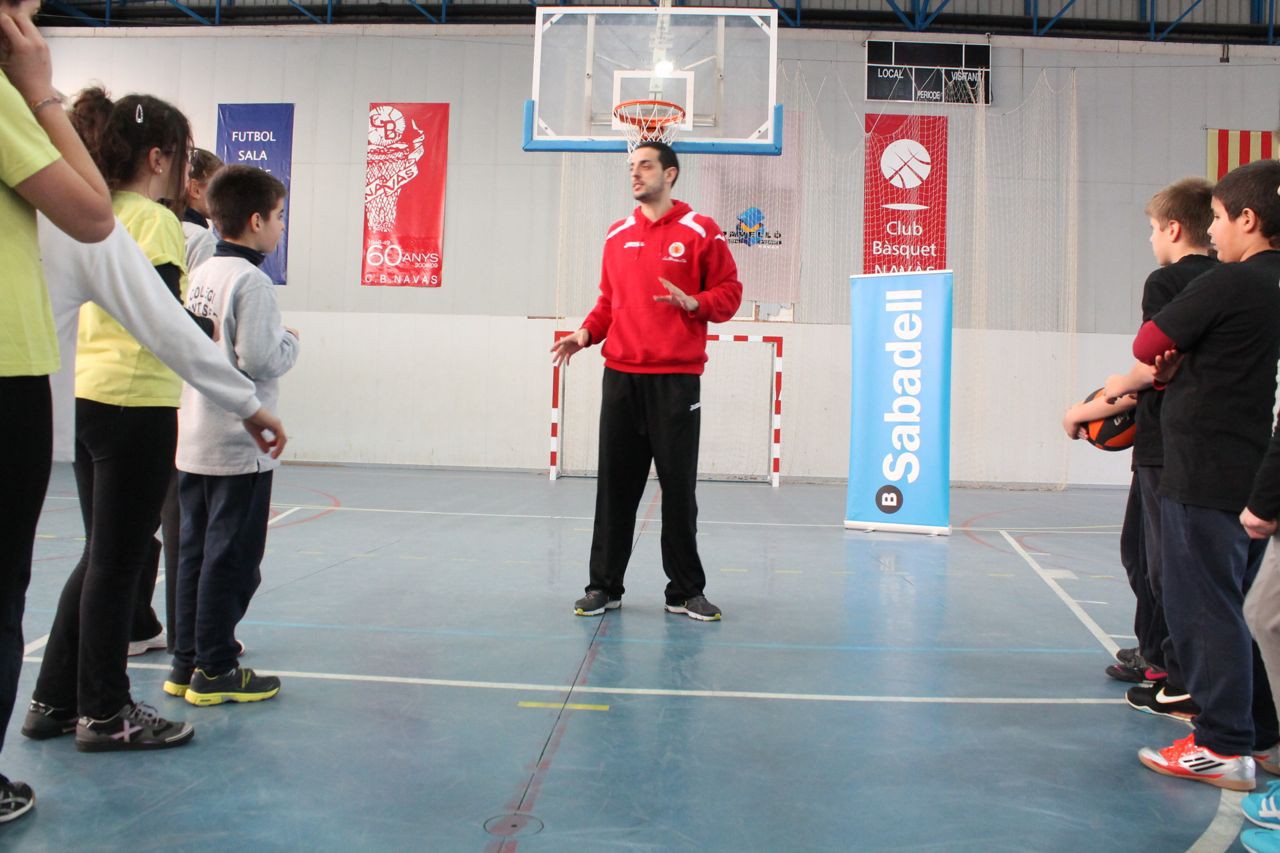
[666, 273]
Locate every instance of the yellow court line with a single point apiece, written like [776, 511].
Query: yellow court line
[571, 707]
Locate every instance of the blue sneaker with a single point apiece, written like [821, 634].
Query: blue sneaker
[1263, 808]
[1260, 840]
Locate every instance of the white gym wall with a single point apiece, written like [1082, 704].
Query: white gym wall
[460, 375]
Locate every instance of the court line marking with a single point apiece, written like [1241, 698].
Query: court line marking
[1225, 826]
[557, 705]
[659, 691]
[1221, 832]
[35, 645]
[329, 508]
[1094, 628]
[285, 514]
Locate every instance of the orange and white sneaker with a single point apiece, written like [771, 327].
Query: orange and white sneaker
[1185, 759]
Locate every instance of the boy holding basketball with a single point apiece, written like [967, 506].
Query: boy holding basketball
[224, 481]
[1222, 337]
[1180, 216]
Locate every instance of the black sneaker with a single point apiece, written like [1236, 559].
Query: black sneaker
[239, 685]
[1159, 699]
[594, 603]
[1136, 674]
[135, 726]
[178, 681]
[16, 799]
[45, 721]
[1130, 657]
[696, 608]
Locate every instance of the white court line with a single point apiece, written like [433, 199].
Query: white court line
[1225, 826]
[35, 645]
[1085, 528]
[654, 691]
[1095, 629]
[285, 514]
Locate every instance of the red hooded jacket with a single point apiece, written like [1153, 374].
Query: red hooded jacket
[644, 336]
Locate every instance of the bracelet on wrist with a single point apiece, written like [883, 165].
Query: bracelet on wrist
[55, 98]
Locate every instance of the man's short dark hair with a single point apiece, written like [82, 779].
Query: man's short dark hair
[666, 156]
[237, 192]
[1255, 186]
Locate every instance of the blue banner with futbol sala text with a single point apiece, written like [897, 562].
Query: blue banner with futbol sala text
[900, 423]
[261, 135]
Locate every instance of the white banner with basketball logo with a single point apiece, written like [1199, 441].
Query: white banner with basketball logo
[756, 201]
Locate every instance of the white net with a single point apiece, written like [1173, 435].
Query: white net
[1012, 234]
[736, 424]
[649, 121]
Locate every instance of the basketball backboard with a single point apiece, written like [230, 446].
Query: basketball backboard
[718, 65]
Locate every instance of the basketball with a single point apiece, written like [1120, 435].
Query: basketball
[1113, 433]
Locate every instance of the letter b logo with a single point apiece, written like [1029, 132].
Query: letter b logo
[889, 499]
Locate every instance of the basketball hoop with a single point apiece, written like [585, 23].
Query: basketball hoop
[649, 121]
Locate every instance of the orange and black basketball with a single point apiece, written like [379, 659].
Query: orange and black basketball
[1113, 433]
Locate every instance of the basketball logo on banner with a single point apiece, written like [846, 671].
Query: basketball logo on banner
[393, 163]
[905, 164]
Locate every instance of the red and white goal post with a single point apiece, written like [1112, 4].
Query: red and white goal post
[774, 342]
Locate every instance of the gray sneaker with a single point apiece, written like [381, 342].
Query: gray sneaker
[16, 799]
[696, 608]
[45, 721]
[595, 603]
[135, 726]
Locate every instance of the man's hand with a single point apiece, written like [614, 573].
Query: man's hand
[1074, 428]
[267, 431]
[24, 56]
[1256, 527]
[676, 296]
[1167, 366]
[564, 348]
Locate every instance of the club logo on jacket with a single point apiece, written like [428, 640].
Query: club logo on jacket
[675, 252]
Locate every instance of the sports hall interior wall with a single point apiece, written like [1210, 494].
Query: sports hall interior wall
[460, 375]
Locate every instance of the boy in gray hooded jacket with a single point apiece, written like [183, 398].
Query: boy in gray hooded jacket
[224, 480]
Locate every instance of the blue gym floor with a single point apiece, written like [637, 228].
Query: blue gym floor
[864, 692]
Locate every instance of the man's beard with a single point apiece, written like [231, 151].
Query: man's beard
[648, 194]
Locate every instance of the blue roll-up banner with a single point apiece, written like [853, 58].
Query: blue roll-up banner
[900, 426]
[261, 135]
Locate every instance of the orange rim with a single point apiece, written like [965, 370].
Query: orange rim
[675, 114]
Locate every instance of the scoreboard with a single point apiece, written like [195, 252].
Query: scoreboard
[928, 72]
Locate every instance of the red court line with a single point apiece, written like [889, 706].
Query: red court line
[334, 503]
[523, 804]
